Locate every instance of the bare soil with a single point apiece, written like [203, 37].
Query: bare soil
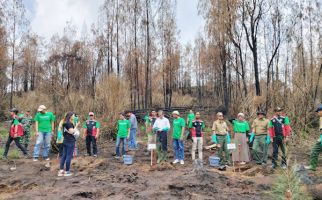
[107, 178]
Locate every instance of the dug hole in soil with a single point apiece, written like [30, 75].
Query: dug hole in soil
[107, 178]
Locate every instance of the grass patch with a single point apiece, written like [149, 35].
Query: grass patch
[13, 154]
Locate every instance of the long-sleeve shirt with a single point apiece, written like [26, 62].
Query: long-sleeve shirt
[133, 121]
[260, 126]
[160, 124]
[220, 127]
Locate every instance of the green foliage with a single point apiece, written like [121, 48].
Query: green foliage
[13, 154]
[288, 180]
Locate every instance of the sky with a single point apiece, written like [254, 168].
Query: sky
[48, 17]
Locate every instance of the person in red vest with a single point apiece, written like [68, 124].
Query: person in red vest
[91, 133]
[16, 131]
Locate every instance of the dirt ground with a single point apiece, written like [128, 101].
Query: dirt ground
[107, 178]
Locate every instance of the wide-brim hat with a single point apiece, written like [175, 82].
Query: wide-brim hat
[176, 112]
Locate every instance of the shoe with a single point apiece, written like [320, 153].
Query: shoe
[309, 168]
[159, 160]
[47, 159]
[5, 157]
[35, 159]
[26, 156]
[117, 157]
[175, 161]
[273, 166]
[68, 174]
[181, 162]
[60, 173]
[284, 166]
[95, 155]
[243, 163]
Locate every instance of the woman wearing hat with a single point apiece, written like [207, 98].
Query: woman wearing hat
[68, 144]
[241, 128]
[261, 139]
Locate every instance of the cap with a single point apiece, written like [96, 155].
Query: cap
[41, 108]
[15, 110]
[176, 112]
[261, 112]
[241, 114]
[319, 108]
[278, 109]
[91, 113]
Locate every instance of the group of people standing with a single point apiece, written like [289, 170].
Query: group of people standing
[251, 142]
[259, 135]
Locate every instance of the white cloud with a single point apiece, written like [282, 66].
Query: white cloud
[50, 16]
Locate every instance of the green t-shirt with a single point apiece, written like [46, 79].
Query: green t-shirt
[15, 121]
[44, 121]
[191, 117]
[178, 124]
[123, 128]
[240, 126]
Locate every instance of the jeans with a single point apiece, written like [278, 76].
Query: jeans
[197, 142]
[43, 138]
[178, 149]
[68, 151]
[60, 148]
[91, 140]
[17, 141]
[132, 140]
[278, 142]
[117, 146]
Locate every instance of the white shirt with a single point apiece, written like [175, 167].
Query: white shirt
[160, 124]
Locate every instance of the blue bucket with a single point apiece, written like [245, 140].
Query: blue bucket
[214, 161]
[128, 159]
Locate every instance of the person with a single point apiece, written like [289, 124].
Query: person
[134, 126]
[26, 122]
[16, 131]
[191, 116]
[148, 127]
[161, 127]
[221, 136]
[241, 129]
[91, 133]
[177, 137]
[123, 133]
[44, 126]
[279, 130]
[197, 127]
[317, 148]
[260, 136]
[60, 137]
[69, 131]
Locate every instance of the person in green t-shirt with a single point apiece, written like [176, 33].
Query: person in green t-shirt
[123, 133]
[241, 129]
[177, 136]
[44, 127]
[16, 131]
[191, 116]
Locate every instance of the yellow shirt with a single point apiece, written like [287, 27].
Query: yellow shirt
[220, 127]
[260, 126]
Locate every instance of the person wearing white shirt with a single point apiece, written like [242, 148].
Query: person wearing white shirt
[161, 126]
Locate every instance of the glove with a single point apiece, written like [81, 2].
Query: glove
[155, 129]
[165, 129]
[214, 138]
[252, 136]
[321, 139]
[228, 138]
[268, 139]
[59, 135]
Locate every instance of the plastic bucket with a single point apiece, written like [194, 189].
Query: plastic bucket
[214, 161]
[128, 159]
